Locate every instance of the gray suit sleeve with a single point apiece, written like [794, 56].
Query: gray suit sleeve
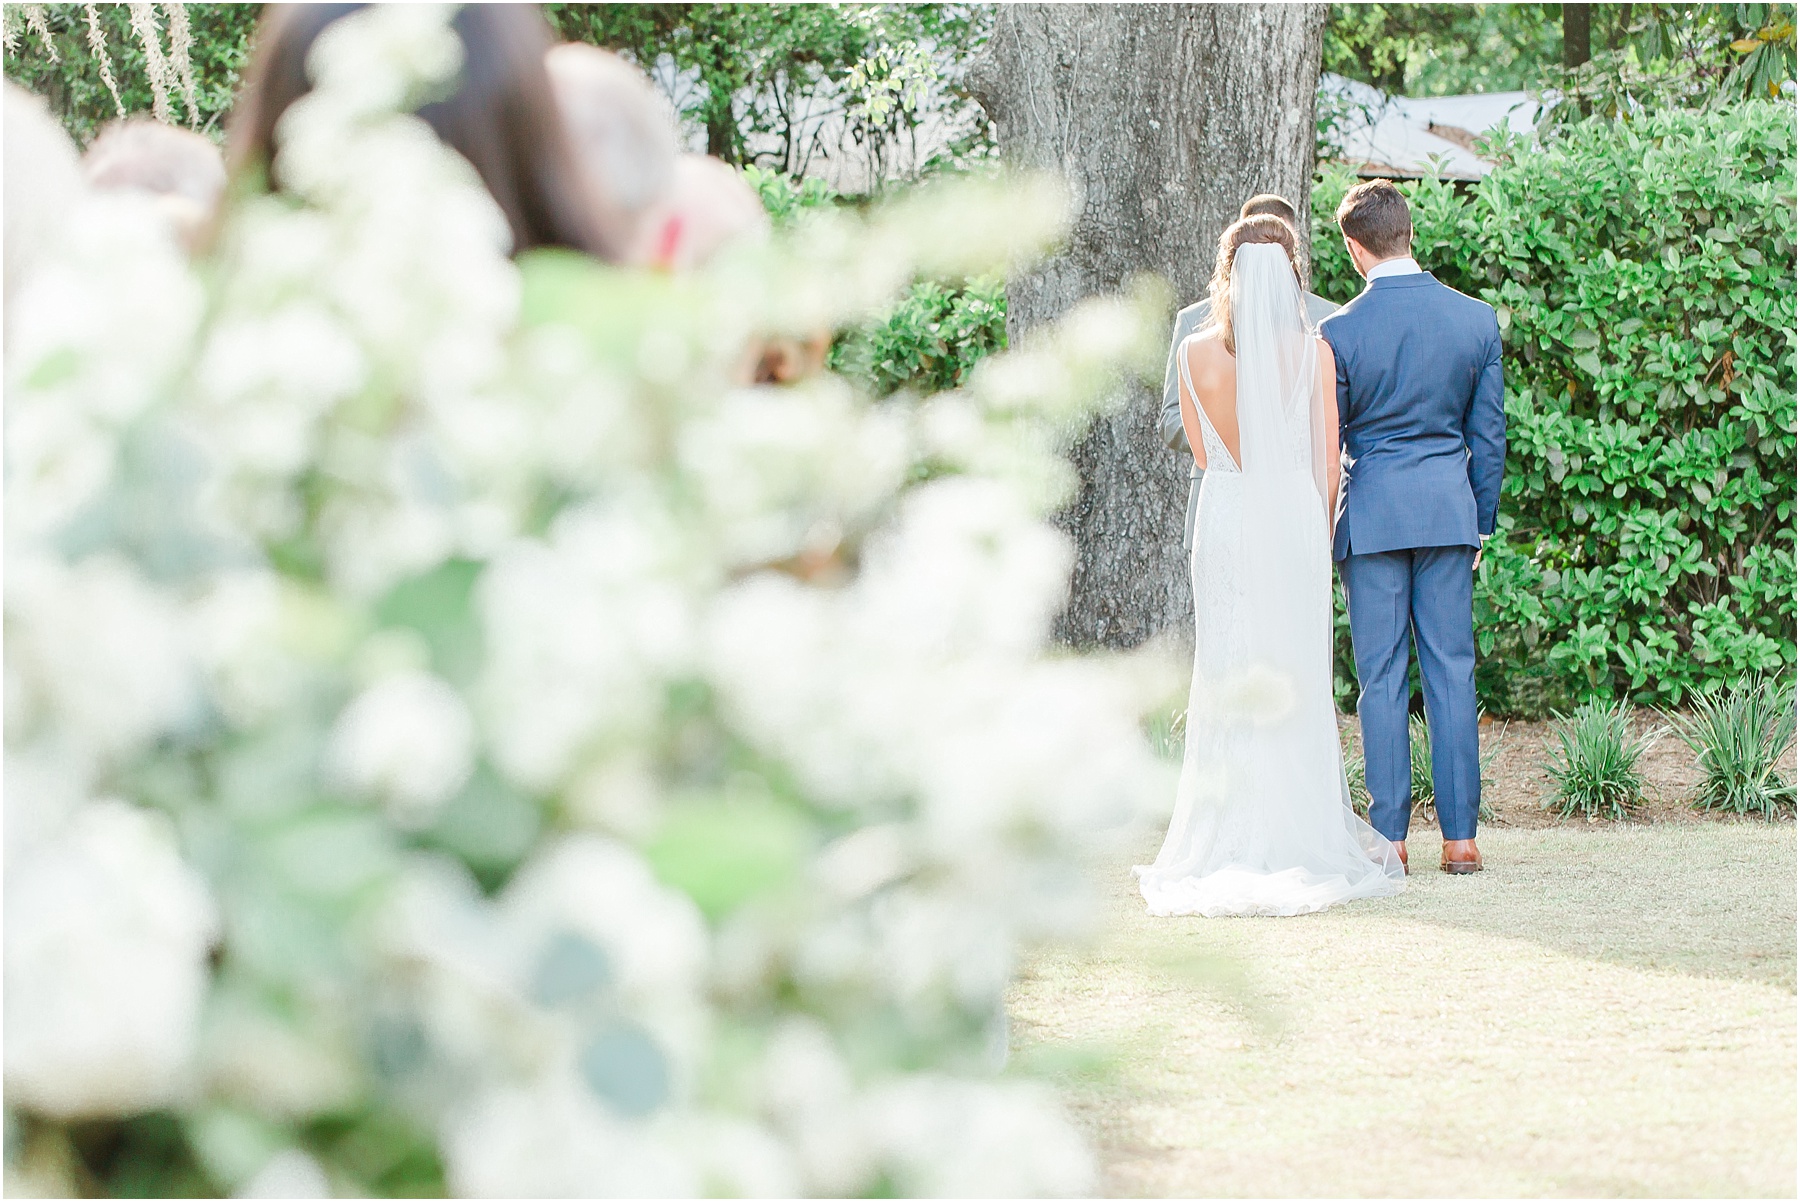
[1484, 432]
[1174, 434]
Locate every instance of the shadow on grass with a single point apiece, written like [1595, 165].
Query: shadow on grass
[1713, 900]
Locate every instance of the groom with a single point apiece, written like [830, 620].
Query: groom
[1424, 438]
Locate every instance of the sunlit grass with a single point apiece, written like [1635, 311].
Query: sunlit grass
[1603, 1012]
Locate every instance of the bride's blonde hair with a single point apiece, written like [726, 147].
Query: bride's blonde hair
[1260, 228]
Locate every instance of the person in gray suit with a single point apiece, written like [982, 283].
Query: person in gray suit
[1195, 317]
[1423, 428]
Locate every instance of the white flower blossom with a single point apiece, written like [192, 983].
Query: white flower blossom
[255, 1057]
[650, 940]
[810, 1097]
[408, 741]
[94, 334]
[290, 1173]
[43, 180]
[965, 569]
[773, 464]
[107, 932]
[583, 633]
[100, 653]
[736, 1158]
[444, 946]
[265, 383]
[552, 1138]
[45, 786]
[568, 575]
[238, 634]
[945, 1138]
[376, 66]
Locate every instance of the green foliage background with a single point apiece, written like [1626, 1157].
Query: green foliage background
[1643, 269]
[756, 66]
[1444, 49]
[1653, 52]
[1643, 273]
[930, 341]
[70, 80]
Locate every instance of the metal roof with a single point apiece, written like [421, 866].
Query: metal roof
[1413, 136]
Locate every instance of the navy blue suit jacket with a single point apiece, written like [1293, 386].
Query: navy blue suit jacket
[1420, 416]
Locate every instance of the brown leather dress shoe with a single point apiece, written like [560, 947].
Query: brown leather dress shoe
[1460, 857]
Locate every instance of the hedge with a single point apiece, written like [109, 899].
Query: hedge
[933, 336]
[1643, 275]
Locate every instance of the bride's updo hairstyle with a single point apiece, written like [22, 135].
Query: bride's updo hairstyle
[1257, 229]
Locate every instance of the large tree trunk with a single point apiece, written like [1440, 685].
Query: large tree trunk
[1164, 119]
[1578, 42]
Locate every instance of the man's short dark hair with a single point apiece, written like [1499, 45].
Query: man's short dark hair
[1375, 215]
[1270, 205]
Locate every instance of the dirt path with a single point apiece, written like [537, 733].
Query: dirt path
[1606, 1011]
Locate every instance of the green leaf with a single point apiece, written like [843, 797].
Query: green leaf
[55, 368]
[439, 605]
[723, 852]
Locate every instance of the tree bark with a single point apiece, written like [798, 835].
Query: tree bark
[1164, 119]
[1577, 31]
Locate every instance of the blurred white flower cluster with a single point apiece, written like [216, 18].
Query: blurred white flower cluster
[457, 739]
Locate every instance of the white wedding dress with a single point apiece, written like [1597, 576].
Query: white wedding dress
[1262, 821]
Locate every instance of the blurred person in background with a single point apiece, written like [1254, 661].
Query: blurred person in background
[707, 206]
[785, 359]
[183, 170]
[503, 118]
[682, 208]
[622, 129]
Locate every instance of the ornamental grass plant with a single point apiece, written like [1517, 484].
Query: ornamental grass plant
[1594, 762]
[1739, 735]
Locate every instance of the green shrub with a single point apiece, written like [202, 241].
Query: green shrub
[1643, 274]
[1594, 763]
[1739, 735]
[931, 340]
[785, 197]
[70, 77]
[1166, 728]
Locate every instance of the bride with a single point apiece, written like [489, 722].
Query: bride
[1262, 822]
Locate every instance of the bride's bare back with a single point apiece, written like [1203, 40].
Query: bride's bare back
[1213, 372]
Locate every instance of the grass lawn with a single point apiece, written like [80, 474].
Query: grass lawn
[1605, 1011]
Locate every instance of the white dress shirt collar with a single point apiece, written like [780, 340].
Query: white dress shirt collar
[1401, 266]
